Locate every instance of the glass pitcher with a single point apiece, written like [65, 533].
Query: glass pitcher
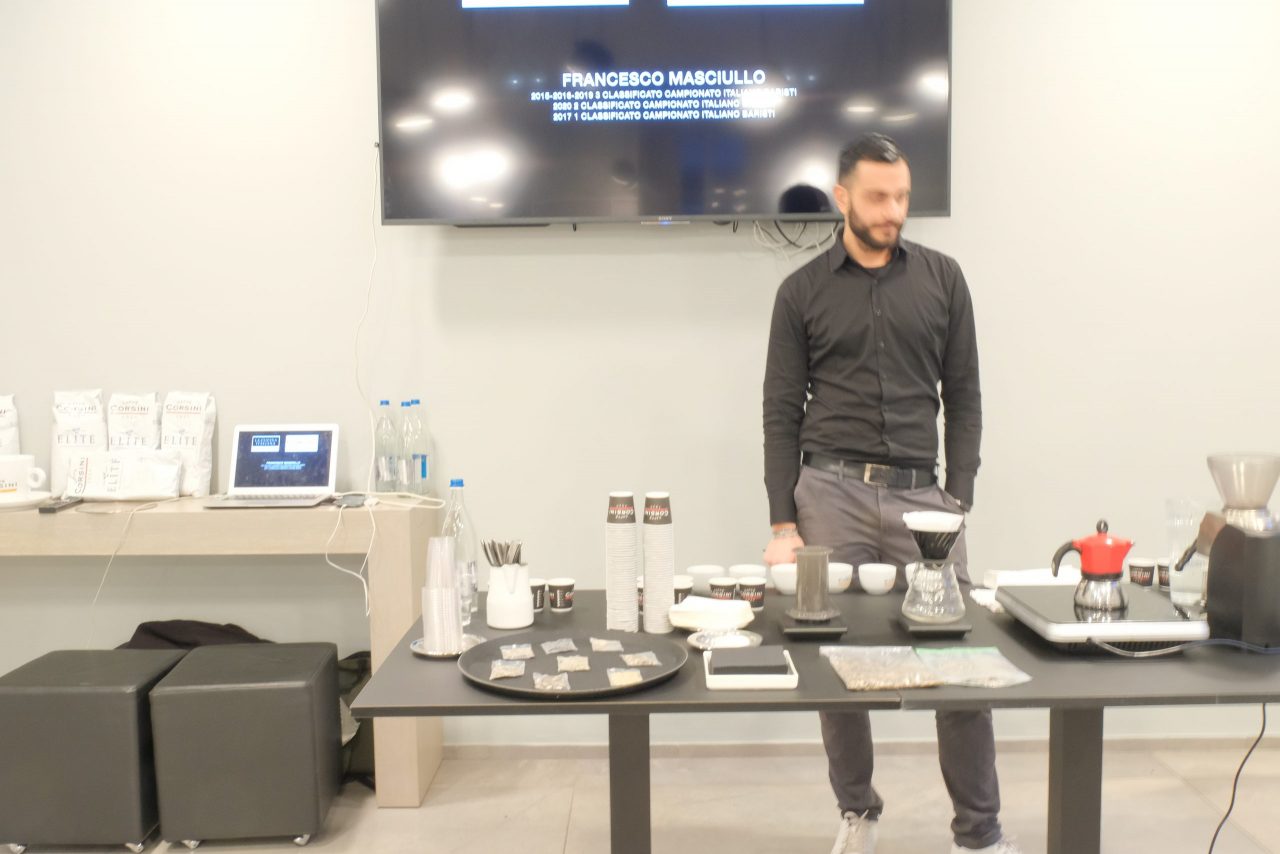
[934, 595]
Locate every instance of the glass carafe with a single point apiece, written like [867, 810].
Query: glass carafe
[934, 593]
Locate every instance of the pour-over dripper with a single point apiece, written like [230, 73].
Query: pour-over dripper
[935, 533]
[1245, 482]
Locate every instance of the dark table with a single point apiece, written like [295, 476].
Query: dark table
[1074, 687]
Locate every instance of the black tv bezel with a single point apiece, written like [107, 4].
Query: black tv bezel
[657, 219]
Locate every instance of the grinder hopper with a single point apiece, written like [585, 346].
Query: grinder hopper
[1245, 482]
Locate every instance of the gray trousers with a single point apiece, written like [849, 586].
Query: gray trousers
[862, 523]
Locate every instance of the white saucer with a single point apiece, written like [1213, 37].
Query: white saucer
[468, 640]
[22, 502]
[723, 639]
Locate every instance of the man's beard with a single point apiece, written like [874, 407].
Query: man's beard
[863, 233]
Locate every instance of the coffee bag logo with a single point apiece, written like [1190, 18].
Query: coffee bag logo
[8, 486]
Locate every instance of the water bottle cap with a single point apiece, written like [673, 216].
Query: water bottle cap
[404, 403]
[384, 403]
[416, 402]
[457, 481]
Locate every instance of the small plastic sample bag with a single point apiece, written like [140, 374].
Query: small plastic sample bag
[975, 667]
[879, 668]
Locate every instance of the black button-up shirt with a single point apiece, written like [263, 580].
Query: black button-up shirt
[855, 359]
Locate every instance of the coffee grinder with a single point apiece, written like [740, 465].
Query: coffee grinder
[1243, 596]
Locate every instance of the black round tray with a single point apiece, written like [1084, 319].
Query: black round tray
[476, 661]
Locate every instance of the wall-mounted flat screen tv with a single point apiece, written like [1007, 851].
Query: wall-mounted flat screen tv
[535, 111]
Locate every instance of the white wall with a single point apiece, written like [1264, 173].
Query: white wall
[186, 199]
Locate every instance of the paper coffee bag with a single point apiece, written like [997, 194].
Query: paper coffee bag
[9, 443]
[133, 422]
[79, 426]
[136, 475]
[186, 426]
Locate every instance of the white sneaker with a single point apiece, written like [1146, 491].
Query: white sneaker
[1004, 846]
[857, 835]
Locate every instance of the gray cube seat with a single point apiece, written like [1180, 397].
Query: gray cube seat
[75, 748]
[247, 742]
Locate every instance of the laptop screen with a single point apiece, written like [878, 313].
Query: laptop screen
[283, 459]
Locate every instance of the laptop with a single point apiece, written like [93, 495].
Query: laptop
[281, 465]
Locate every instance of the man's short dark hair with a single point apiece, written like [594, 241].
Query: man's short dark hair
[875, 147]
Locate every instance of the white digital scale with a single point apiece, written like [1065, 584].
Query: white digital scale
[1150, 617]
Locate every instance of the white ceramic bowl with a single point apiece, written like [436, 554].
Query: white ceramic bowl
[839, 577]
[877, 578]
[702, 575]
[746, 570]
[784, 578]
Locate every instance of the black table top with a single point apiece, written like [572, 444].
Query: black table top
[409, 686]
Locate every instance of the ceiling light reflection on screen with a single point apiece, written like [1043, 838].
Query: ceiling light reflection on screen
[861, 108]
[468, 169]
[935, 83]
[900, 118]
[761, 99]
[453, 101]
[414, 124]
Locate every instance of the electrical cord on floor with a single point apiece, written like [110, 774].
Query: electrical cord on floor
[1235, 783]
[1174, 650]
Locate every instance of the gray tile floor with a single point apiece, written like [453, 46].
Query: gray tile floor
[1164, 798]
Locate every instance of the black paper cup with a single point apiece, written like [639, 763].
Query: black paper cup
[538, 589]
[560, 594]
[724, 587]
[1142, 572]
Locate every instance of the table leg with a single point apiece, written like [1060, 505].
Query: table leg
[407, 751]
[629, 827]
[1075, 781]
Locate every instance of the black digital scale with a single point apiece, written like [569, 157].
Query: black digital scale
[1150, 620]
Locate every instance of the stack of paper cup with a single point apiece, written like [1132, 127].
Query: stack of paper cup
[659, 562]
[621, 563]
[441, 602]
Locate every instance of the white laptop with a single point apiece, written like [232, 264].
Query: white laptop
[281, 465]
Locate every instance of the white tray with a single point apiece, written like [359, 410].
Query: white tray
[750, 681]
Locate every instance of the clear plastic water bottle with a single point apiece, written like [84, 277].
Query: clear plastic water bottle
[424, 450]
[406, 474]
[457, 524]
[386, 444]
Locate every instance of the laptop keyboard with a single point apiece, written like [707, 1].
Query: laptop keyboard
[275, 496]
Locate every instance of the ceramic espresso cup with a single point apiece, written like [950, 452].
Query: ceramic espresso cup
[19, 475]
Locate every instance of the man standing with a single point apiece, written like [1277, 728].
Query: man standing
[861, 338]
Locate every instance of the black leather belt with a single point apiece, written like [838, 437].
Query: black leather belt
[872, 473]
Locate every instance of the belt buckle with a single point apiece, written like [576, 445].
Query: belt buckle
[870, 468]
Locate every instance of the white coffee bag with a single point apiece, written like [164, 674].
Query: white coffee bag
[131, 475]
[133, 422]
[186, 426]
[9, 443]
[79, 426]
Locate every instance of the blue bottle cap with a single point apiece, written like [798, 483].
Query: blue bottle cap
[404, 403]
[416, 402]
[457, 481]
[384, 403]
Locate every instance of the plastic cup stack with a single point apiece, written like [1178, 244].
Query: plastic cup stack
[659, 563]
[621, 563]
[441, 603]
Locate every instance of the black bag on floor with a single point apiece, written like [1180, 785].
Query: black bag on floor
[187, 634]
